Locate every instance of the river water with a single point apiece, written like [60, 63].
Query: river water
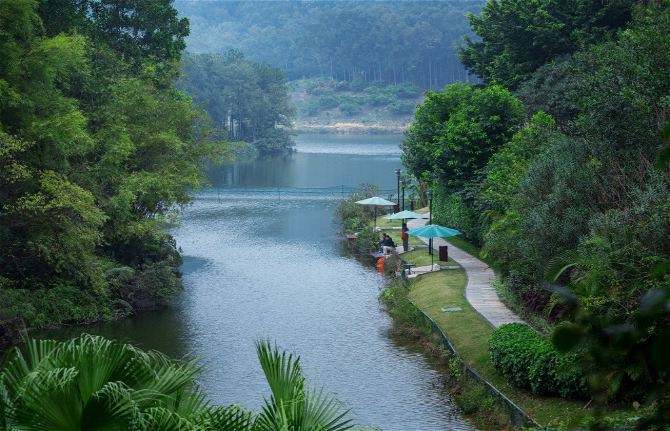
[263, 260]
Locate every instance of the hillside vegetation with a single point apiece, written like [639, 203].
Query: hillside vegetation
[558, 168]
[388, 41]
[96, 147]
[339, 106]
[247, 101]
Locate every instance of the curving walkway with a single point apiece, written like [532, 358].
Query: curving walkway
[479, 291]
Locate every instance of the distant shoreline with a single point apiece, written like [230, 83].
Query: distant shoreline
[350, 127]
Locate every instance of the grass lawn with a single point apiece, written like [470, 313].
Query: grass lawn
[420, 257]
[392, 228]
[470, 334]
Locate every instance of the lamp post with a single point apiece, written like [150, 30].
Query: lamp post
[402, 202]
[397, 175]
[430, 219]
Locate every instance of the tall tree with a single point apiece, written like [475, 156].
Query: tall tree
[94, 150]
[515, 37]
[247, 99]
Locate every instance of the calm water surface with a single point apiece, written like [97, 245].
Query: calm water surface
[263, 260]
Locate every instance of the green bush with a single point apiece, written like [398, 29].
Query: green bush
[41, 308]
[454, 210]
[353, 215]
[399, 107]
[402, 310]
[328, 102]
[406, 91]
[381, 99]
[529, 361]
[311, 108]
[367, 240]
[350, 107]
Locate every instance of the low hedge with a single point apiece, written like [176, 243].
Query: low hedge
[529, 361]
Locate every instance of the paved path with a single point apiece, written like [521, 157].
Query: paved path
[479, 291]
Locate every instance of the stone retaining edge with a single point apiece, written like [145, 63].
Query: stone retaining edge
[517, 414]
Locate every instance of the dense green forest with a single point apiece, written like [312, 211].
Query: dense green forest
[391, 42]
[555, 168]
[96, 146]
[247, 100]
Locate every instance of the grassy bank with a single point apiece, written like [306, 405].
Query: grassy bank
[471, 396]
[470, 333]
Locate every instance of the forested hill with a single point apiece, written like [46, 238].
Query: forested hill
[394, 42]
[96, 147]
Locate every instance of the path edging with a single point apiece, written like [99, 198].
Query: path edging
[517, 414]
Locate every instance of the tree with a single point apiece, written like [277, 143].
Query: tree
[94, 151]
[390, 42]
[250, 101]
[455, 132]
[508, 167]
[518, 36]
[137, 29]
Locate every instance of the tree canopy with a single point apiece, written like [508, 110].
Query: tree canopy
[570, 198]
[248, 99]
[456, 131]
[515, 37]
[96, 145]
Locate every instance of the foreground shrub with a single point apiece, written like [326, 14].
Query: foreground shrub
[529, 361]
[91, 383]
[353, 215]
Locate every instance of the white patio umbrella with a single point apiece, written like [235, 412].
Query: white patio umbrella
[375, 202]
[402, 215]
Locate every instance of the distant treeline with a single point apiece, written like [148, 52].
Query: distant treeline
[249, 101]
[392, 42]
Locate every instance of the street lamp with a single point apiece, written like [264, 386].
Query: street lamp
[430, 219]
[402, 204]
[397, 174]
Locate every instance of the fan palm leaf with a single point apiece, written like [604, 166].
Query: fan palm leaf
[292, 407]
[93, 384]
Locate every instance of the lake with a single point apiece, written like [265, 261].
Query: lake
[263, 260]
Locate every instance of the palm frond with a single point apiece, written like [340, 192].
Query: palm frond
[282, 371]
[98, 361]
[162, 419]
[17, 366]
[6, 405]
[559, 264]
[324, 413]
[230, 418]
[273, 417]
[48, 401]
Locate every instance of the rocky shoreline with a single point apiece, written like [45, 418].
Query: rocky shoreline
[350, 127]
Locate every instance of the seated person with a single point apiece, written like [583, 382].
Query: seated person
[387, 244]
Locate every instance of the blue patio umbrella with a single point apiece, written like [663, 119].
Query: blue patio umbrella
[376, 201]
[433, 231]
